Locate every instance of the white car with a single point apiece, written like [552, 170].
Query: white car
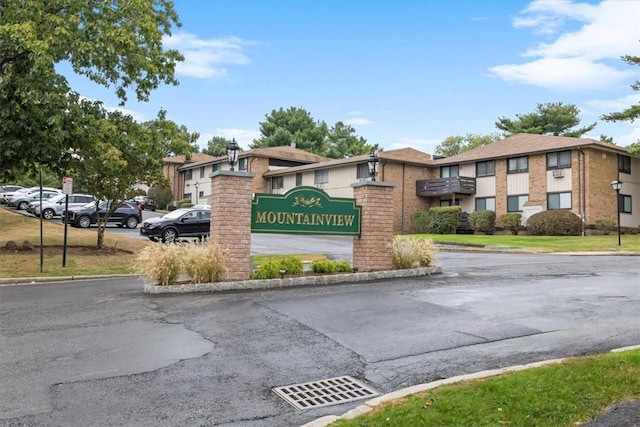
[24, 192]
[53, 207]
[21, 201]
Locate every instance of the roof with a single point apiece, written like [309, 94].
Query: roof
[284, 152]
[526, 143]
[195, 158]
[401, 155]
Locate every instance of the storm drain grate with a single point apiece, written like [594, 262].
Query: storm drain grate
[332, 391]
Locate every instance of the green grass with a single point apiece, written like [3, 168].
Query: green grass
[556, 395]
[630, 243]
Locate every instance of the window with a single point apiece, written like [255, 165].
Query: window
[559, 160]
[363, 171]
[518, 164]
[487, 168]
[242, 164]
[189, 174]
[215, 167]
[447, 202]
[202, 172]
[201, 194]
[449, 171]
[516, 203]
[298, 179]
[321, 176]
[187, 196]
[486, 204]
[277, 182]
[559, 201]
[624, 163]
[625, 203]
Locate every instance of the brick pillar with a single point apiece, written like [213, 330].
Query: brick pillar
[231, 196]
[372, 251]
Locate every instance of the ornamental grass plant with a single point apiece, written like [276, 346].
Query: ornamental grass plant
[160, 264]
[413, 253]
[205, 263]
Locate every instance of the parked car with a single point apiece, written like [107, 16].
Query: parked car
[145, 202]
[56, 205]
[184, 222]
[126, 214]
[21, 201]
[9, 188]
[4, 199]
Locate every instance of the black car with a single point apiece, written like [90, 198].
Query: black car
[145, 202]
[186, 222]
[126, 214]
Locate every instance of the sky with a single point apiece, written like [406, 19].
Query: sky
[401, 73]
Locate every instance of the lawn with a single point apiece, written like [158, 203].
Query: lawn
[630, 243]
[573, 392]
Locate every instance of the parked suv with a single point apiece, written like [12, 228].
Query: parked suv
[185, 222]
[21, 200]
[24, 192]
[126, 214]
[54, 206]
[145, 202]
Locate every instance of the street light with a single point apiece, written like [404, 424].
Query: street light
[196, 185]
[617, 186]
[373, 165]
[232, 153]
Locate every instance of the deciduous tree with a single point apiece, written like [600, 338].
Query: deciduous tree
[553, 118]
[457, 144]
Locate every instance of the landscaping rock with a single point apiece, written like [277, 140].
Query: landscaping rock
[27, 246]
[11, 246]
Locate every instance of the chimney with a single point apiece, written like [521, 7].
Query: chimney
[293, 144]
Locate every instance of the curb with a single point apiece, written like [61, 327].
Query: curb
[371, 404]
[36, 280]
[332, 279]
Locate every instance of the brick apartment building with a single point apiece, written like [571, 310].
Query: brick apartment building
[523, 173]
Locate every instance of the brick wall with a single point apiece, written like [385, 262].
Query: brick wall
[258, 166]
[405, 200]
[231, 220]
[602, 168]
[537, 179]
[372, 250]
[501, 187]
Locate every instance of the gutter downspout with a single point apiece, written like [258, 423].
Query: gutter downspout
[581, 189]
[402, 204]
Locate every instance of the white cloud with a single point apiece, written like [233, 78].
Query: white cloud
[576, 59]
[424, 145]
[207, 58]
[561, 73]
[242, 136]
[358, 121]
[605, 106]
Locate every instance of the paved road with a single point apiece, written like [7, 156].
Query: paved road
[103, 353]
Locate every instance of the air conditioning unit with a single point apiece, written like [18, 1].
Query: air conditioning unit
[558, 173]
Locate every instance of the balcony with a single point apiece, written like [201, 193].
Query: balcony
[444, 186]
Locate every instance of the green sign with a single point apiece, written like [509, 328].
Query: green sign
[304, 210]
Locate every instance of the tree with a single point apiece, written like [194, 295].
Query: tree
[282, 127]
[115, 153]
[217, 146]
[114, 44]
[553, 118]
[342, 142]
[453, 145]
[631, 113]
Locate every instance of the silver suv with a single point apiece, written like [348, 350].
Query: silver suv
[54, 206]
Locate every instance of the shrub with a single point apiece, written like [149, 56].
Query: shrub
[205, 263]
[555, 223]
[443, 219]
[268, 270]
[160, 263]
[185, 203]
[292, 264]
[420, 221]
[511, 222]
[162, 196]
[605, 225]
[343, 266]
[412, 253]
[633, 231]
[483, 221]
[324, 266]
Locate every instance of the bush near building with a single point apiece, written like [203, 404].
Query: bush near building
[554, 223]
[511, 222]
[483, 221]
[605, 225]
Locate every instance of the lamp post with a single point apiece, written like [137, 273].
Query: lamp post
[617, 186]
[373, 165]
[196, 185]
[232, 153]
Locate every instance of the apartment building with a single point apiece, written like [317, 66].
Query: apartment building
[523, 173]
